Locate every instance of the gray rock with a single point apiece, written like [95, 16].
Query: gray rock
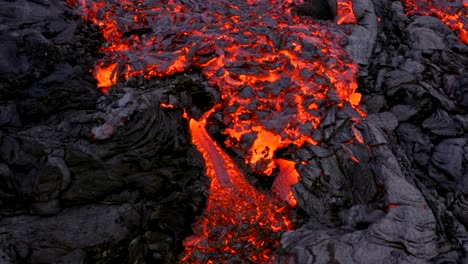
[425, 39]
[425, 33]
[463, 120]
[49, 239]
[384, 120]
[48, 208]
[9, 116]
[403, 112]
[369, 236]
[361, 51]
[448, 159]
[77, 256]
[397, 77]
[412, 66]
[441, 97]
[440, 123]
[398, 14]
[310, 173]
[372, 134]
[374, 103]
[5, 258]
[417, 143]
[318, 9]
[461, 209]
[462, 90]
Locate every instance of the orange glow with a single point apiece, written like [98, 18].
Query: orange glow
[454, 16]
[390, 206]
[345, 12]
[355, 99]
[236, 212]
[357, 134]
[276, 73]
[288, 176]
[169, 106]
[105, 75]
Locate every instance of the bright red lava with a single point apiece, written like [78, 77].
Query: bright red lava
[277, 73]
[239, 222]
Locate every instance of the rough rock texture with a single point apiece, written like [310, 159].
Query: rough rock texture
[400, 196]
[359, 50]
[86, 178]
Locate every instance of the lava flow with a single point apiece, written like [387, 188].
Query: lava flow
[278, 73]
[239, 222]
[453, 13]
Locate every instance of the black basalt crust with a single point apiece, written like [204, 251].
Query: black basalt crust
[318, 9]
[93, 178]
[86, 178]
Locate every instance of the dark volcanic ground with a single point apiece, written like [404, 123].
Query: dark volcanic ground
[64, 196]
[86, 178]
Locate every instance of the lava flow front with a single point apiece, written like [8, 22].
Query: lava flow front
[278, 73]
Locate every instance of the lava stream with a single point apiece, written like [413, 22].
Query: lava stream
[239, 222]
[278, 75]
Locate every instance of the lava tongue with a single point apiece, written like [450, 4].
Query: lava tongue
[239, 221]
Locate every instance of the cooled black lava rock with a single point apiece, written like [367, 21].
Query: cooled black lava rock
[86, 178]
[318, 9]
[114, 179]
[461, 87]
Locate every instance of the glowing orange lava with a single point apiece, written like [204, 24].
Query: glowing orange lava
[239, 220]
[453, 13]
[345, 12]
[278, 74]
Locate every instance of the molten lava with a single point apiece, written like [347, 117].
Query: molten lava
[278, 73]
[239, 222]
[453, 13]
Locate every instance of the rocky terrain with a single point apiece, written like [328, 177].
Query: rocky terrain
[87, 178]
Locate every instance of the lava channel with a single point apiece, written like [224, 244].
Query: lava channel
[239, 222]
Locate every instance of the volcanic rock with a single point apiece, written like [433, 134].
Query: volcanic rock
[73, 192]
[447, 163]
[318, 9]
[424, 38]
[384, 120]
[440, 123]
[462, 89]
[403, 112]
[361, 51]
[374, 103]
[396, 78]
[92, 178]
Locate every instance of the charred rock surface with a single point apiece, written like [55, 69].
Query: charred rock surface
[401, 196]
[85, 178]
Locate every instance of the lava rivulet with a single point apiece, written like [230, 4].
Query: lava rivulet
[278, 73]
